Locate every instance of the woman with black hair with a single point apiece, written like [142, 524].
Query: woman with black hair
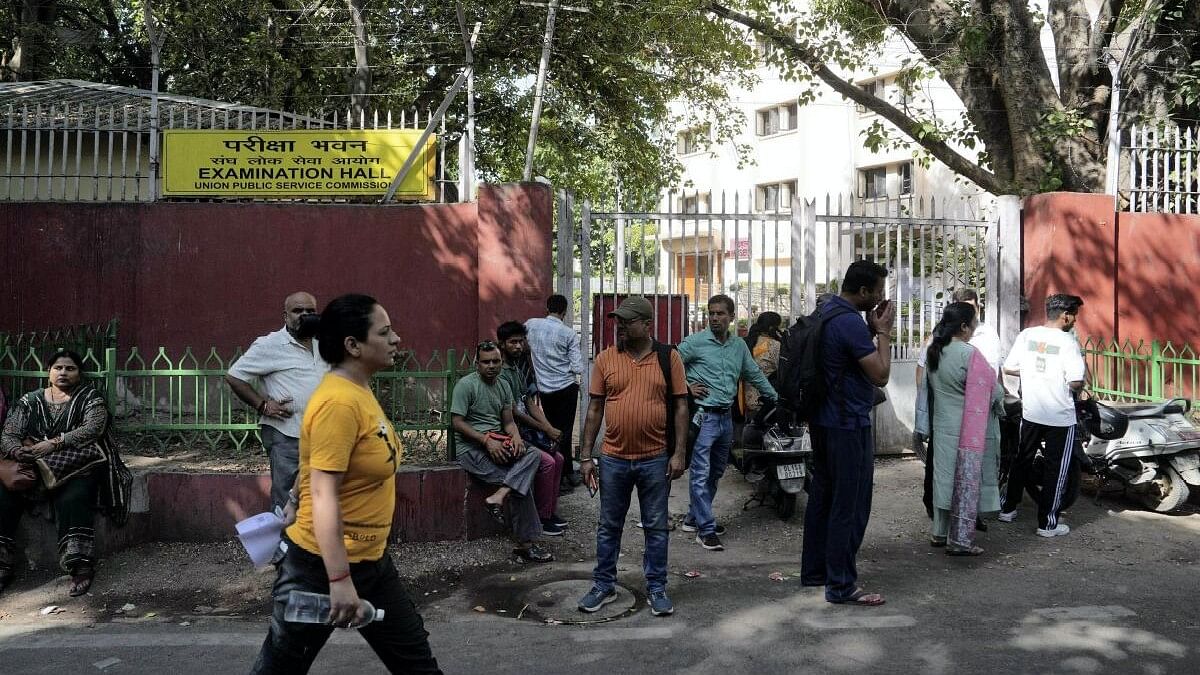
[764, 339]
[347, 494]
[59, 437]
[964, 404]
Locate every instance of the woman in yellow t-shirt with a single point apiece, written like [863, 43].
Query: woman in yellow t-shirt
[346, 490]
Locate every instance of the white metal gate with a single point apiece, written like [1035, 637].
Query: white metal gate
[771, 256]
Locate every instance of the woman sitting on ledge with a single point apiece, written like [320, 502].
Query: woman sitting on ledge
[66, 468]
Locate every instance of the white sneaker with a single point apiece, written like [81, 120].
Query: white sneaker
[1056, 532]
[1007, 516]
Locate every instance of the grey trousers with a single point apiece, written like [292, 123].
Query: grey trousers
[284, 453]
[522, 509]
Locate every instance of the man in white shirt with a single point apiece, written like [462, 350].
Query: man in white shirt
[289, 367]
[557, 362]
[1050, 364]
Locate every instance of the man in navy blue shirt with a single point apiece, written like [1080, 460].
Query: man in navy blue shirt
[857, 358]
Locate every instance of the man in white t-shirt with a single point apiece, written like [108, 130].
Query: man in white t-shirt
[1048, 360]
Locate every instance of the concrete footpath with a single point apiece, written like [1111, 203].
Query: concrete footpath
[1115, 596]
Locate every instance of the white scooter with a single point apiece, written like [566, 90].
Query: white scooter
[1152, 450]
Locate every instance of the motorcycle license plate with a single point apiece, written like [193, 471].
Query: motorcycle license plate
[786, 471]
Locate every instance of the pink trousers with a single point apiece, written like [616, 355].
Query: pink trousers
[545, 484]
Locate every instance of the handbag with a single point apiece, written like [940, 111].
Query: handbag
[17, 476]
[62, 465]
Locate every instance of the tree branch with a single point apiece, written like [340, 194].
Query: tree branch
[909, 126]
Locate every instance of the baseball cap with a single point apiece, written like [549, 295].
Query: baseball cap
[634, 307]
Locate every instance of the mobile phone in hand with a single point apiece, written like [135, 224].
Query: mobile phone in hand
[591, 490]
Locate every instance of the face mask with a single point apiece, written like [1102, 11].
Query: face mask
[309, 323]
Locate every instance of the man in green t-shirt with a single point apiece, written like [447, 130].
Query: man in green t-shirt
[482, 406]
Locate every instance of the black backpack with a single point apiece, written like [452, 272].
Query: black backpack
[800, 379]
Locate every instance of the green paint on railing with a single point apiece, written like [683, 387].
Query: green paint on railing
[1129, 371]
[181, 400]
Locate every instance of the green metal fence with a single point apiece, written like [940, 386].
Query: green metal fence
[80, 338]
[1143, 371]
[162, 401]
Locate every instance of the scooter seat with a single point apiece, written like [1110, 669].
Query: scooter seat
[1172, 407]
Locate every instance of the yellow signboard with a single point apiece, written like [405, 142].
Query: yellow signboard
[294, 163]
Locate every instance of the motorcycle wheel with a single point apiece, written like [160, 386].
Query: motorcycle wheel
[1167, 492]
[785, 504]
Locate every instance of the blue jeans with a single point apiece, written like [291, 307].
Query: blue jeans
[710, 456]
[618, 478]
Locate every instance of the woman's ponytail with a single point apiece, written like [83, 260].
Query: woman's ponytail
[953, 318]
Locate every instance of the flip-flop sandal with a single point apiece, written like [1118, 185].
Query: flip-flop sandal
[81, 584]
[496, 511]
[974, 550]
[862, 599]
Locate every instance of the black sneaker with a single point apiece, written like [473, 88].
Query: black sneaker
[689, 526]
[552, 529]
[710, 541]
[559, 520]
[533, 554]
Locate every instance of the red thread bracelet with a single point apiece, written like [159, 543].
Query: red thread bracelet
[345, 575]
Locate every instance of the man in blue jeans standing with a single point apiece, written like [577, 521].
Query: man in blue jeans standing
[856, 356]
[715, 361]
[629, 391]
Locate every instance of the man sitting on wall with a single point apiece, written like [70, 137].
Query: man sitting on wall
[481, 407]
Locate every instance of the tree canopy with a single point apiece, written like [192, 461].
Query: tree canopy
[1032, 134]
[614, 73]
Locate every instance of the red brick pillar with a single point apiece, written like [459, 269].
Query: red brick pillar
[516, 225]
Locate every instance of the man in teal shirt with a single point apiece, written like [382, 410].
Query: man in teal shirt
[715, 361]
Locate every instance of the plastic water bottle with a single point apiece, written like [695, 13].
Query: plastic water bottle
[305, 607]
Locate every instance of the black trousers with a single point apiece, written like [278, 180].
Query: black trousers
[1053, 482]
[74, 512]
[839, 506]
[560, 408]
[399, 640]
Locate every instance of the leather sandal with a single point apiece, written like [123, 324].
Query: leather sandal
[81, 581]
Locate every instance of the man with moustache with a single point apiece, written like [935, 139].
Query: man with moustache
[289, 367]
[629, 392]
[481, 413]
[715, 361]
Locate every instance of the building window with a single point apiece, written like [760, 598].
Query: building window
[695, 203]
[774, 197]
[764, 48]
[776, 119]
[690, 140]
[874, 182]
[873, 88]
[906, 178]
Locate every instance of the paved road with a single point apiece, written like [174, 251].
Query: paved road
[1116, 596]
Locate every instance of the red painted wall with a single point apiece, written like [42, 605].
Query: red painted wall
[1158, 270]
[1068, 245]
[1136, 272]
[215, 275]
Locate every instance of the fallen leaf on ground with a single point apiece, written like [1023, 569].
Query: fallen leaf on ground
[128, 607]
[185, 623]
[775, 576]
[480, 608]
[48, 610]
[107, 663]
[693, 574]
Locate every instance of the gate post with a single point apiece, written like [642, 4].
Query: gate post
[804, 257]
[1007, 301]
[566, 249]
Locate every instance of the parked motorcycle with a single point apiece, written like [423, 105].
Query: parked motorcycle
[777, 459]
[1152, 450]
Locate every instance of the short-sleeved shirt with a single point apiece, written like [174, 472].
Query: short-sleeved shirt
[520, 380]
[635, 405]
[480, 404]
[345, 431]
[287, 370]
[849, 394]
[1048, 359]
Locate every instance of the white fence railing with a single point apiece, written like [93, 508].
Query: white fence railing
[86, 152]
[1164, 169]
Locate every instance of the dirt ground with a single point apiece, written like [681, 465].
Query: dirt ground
[186, 582]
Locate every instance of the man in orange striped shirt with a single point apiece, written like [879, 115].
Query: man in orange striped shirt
[629, 391]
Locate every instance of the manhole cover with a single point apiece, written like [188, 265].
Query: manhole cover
[559, 601]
